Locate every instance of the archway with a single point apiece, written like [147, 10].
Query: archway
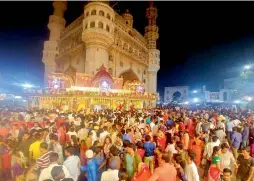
[129, 75]
[131, 81]
[176, 96]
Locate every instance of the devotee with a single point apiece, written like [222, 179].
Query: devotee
[227, 159]
[166, 171]
[72, 163]
[56, 147]
[149, 148]
[46, 172]
[245, 166]
[43, 161]
[227, 174]
[34, 149]
[132, 143]
[236, 139]
[112, 173]
[190, 170]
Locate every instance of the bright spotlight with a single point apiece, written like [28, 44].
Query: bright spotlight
[247, 67]
[237, 101]
[27, 85]
[17, 97]
[186, 102]
[249, 98]
[195, 99]
[195, 91]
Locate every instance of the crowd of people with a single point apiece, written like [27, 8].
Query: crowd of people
[161, 144]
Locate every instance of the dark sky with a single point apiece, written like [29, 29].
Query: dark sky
[201, 43]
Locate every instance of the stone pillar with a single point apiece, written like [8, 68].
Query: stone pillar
[151, 34]
[56, 25]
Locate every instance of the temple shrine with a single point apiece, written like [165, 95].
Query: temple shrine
[99, 59]
[82, 91]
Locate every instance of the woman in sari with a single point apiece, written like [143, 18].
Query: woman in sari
[215, 169]
[162, 140]
[143, 173]
[197, 147]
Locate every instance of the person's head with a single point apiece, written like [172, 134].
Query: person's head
[43, 147]
[190, 157]
[119, 137]
[97, 150]
[89, 154]
[107, 140]
[53, 138]
[114, 151]
[26, 136]
[57, 173]
[139, 144]
[105, 128]
[224, 147]
[36, 125]
[69, 151]
[227, 174]
[53, 157]
[37, 136]
[96, 143]
[246, 151]
[147, 138]
[216, 150]
[179, 146]
[214, 138]
[166, 157]
[131, 148]
[126, 143]
[72, 129]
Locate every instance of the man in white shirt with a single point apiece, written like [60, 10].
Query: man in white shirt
[208, 153]
[227, 159]
[72, 163]
[190, 170]
[46, 172]
[112, 173]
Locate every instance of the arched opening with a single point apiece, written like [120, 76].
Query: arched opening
[225, 96]
[107, 28]
[92, 24]
[93, 12]
[176, 96]
[100, 25]
[108, 16]
[129, 76]
[101, 13]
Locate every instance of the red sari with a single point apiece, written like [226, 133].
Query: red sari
[143, 175]
[213, 174]
[162, 141]
[197, 147]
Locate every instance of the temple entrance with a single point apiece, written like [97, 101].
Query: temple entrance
[132, 82]
[129, 76]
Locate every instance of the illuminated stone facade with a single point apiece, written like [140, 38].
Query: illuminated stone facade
[99, 37]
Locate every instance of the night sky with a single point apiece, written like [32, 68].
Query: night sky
[201, 43]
